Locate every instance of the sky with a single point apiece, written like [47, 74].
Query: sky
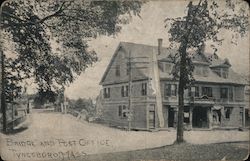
[146, 30]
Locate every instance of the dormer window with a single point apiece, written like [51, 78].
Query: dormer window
[165, 67]
[224, 72]
[117, 70]
[168, 67]
[201, 70]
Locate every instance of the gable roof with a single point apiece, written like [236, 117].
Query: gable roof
[139, 52]
[146, 51]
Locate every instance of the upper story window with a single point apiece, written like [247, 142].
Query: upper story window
[127, 68]
[168, 67]
[231, 94]
[170, 90]
[194, 91]
[117, 70]
[207, 91]
[224, 93]
[224, 72]
[106, 93]
[144, 89]
[198, 70]
[201, 70]
[173, 89]
[124, 91]
[205, 71]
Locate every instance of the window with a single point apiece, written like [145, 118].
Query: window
[207, 91]
[124, 91]
[224, 72]
[198, 70]
[106, 93]
[144, 89]
[194, 90]
[127, 71]
[173, 89]
[117, 70]
[122, 111]
[224, 93]
[170, 90]
[205, 71]
[167, 91]
[168, 67]
[197, 92]
[228, 111]
[231, 95]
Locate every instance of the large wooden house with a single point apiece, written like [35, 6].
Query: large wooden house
[139, 90]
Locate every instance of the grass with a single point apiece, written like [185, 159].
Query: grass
[185, 151]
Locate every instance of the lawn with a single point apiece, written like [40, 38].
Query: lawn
[226, 151]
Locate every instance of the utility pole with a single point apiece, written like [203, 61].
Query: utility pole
[3, 104]
[130, 81]
[130, 92]
[12, 104]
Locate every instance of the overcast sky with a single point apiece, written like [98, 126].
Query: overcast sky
[147, 30]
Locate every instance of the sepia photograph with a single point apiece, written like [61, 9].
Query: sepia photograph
[124, 80]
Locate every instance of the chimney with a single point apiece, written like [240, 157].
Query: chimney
[159, 46]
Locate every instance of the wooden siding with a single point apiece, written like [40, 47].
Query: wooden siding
[121, 58]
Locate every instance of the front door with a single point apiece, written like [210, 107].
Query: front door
[170, 117]
[200, 119]
[151, 119]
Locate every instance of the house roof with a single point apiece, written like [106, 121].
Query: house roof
[216, 61]
[143, 53]
[139, 52]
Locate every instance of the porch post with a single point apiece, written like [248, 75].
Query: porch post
[191, 117]
[147, 116]
[243, 117]
[166, 108]
[175, 116]
[209, 115]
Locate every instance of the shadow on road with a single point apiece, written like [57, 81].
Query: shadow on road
[15, 131]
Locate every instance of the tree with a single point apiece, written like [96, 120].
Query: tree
[83, 103]
[48, 40]
[203, 22]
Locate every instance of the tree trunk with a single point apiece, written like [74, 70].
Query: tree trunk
[3, 104]
[180, 129]
[182, 84]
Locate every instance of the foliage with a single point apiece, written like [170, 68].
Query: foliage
[43, 97]
[82, 103]
[50, 38]
[203, 22]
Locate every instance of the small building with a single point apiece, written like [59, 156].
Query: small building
[139, 90]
